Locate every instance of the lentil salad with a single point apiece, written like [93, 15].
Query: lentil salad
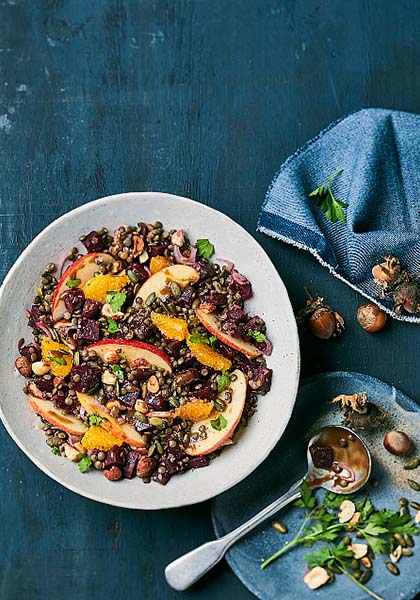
[143, 360]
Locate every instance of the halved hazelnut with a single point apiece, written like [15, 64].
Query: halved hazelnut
[144, 257]
[316, 577]
[40, 367]
[347, 510]
[359, 550]
[108, 378]
[396, 554]
[71, 453]
[153, 384]
[141, 406]
[366, 562]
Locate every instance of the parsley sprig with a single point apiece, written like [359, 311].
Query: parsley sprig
[204, 248]
[258, 336]
[330, 206]
[199, 338]
[321, 525]
[223, 382]
[115, 300]
[95, 420]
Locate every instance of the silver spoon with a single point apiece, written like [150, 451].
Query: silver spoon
[351, 470]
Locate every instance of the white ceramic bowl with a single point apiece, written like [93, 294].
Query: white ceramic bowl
[270, 301]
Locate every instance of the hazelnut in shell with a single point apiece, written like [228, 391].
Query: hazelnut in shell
[371, 318]
[397, 443]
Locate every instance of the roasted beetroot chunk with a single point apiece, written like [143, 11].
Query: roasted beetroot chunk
[129, 468]
[91, 309]
[115, 457]
[140, 328]
[129, 400]
[88, 330]
[59, 401]
[240, 284]
[30, 350]
[84, 378]
[157, 249]
[93, 242]
[261, 379]
[156, 401]
[45, 385]
[34, 316]
[196, 462]
[73, 299]
[186, 298]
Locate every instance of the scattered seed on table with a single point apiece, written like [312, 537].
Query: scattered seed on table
[415, 505]
[408, 540]
[406, 552]
[279, 526]
[414, 485]
[413, 463]
[392, 568]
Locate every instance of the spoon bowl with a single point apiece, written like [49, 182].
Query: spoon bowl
[338, 461]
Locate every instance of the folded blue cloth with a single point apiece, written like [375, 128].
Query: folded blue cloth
[379, 152]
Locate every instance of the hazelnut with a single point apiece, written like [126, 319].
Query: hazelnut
[316, 577]
[324, 323]
[23, 365]
[397, 443]
[114, 473]
[145, 466]
[371, 318]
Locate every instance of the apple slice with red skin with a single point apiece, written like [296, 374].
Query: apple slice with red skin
[232, 414]
[212, 323]
[84, 269]
[123, 431]
[139, 353]
[158, 283]
[47, 410]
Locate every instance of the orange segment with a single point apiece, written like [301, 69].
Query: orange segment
[170, 327]
[97, 438]
[58, 356]
[209, 357]
[97, 287]
[157, 263]
[195, 410]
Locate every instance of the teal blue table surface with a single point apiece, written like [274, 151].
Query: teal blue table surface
[199, 98]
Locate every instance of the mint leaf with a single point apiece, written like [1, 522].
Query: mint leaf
[115, 300]
[84, 463]
[72, 283]
[223, 382]
[112, 325]
[258, 336]
[96, 419]
[204, 248]
[218, 423]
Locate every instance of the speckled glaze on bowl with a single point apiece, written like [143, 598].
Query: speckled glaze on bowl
[283, 579]
[270, 301]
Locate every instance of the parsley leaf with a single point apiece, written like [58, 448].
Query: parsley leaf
[218, 423]
[258, 336]
[84, 462]
[72, 283]
[112, 325]
[60, 361]
[307, 499]
[204, 248]
[330, 206]
[96, 419]
[198, 338]
[118, 372]
[223, 382]
[115, 300]
[56, 450]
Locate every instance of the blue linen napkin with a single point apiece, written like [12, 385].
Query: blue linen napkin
[379, 151]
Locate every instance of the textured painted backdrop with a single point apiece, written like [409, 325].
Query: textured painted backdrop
[204, 99]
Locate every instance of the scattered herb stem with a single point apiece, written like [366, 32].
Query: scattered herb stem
[357, 582]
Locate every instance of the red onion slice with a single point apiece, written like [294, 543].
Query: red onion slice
[229, 264]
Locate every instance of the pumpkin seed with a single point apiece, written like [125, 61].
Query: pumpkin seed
[408, 540]
[392, 568]
[150, 299]
[400, 539]
[196, 303]
[132, 276]
[279, 526]
[346, 540]
[140, 417]
[415, 505]
[406, 552]
[403, 511]
[414, 485]
[174, 402]
[175, 289]
[354, 565]
[151, 450]
[403, 501]
[159, 447]
[156, 421]
[412, 463]
[365, 576]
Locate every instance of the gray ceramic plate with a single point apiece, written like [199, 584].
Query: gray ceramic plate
[283, 579]
[270, 301]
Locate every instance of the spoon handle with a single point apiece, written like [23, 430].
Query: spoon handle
[189, 568]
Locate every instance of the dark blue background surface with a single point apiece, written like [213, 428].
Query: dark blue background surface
[203, 99]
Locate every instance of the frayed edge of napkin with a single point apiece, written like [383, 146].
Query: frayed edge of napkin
[315, 253]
